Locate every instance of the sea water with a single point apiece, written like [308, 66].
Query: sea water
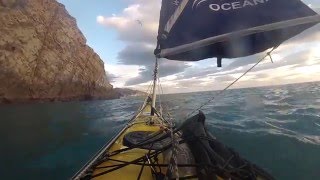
[277, 128]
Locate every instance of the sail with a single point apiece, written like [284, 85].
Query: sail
[191, 30]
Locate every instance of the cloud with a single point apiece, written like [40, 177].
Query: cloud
[198, 72]
[293, 55]
[112, 77]
[225, 78]
[308, 36]
[166, 68]
[119, 74]
[261, 76]
[136, 23]
[100, 19]
[137, 26]
[137, 54]
[244, 61]
[298, 44]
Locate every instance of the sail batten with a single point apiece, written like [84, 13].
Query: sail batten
[191, 30]
[175, 15]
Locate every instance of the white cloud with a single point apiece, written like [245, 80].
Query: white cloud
[137, 23]
[122, 73]
[100, 19]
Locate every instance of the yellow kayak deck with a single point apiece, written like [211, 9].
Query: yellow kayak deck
[130, 171]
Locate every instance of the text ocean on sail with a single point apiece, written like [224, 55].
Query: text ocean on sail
[234, 5]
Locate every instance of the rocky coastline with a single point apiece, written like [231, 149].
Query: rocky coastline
[44, 56]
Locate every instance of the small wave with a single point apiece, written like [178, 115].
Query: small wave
[307, 110]
[296, 135]
[280, 128]
[280, 121]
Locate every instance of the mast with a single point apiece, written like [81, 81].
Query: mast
[154, 94]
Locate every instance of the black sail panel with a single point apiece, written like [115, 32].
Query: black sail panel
[190, 21]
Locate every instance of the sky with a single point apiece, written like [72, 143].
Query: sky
[123, 33]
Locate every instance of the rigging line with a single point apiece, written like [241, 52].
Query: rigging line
[142, 106]
[172, 167]
[136, 113]
[151, 164]
[161, 90]
[159, 94]
[144, 162]
[149, 89]
[235, 81]
[143, 158]
[156, 161]
[141, 170]
[122, 165]
[164, 165]
[165, 104]
[146, 141]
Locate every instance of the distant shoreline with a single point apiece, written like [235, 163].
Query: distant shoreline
[262, 86]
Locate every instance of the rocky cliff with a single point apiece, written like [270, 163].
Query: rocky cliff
[124, 92]
[44, 56]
